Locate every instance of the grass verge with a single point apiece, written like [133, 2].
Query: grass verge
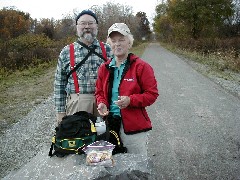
[22, 90]
[214, 64]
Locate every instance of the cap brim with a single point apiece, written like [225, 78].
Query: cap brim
[117, 30]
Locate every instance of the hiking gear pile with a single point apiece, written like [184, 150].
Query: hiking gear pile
[78, 131]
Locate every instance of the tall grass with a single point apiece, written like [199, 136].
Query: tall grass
[218, 54]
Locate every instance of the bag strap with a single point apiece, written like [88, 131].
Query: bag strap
[72, 61]
[116, 136]
[51, 148]
[104, 56]
[50, 151]
[74, 68]
[79, 64]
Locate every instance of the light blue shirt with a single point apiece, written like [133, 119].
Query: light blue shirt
[116, 81]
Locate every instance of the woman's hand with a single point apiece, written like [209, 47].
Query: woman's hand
[102, 109]
[123, 101]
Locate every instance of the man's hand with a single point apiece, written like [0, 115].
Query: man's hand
[59, 117]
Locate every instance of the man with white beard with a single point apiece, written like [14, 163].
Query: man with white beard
[77, 67]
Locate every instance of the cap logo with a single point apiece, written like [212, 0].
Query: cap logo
[123, 29]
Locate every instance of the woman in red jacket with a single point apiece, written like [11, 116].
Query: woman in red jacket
[125, 86]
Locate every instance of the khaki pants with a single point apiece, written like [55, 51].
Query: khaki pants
[135, 143]
[81, 102]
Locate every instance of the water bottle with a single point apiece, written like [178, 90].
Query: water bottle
[100, 126]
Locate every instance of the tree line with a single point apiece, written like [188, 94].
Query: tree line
[205, 26]
[198, 18]
[27, 42]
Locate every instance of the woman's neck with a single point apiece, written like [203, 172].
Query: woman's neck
[120, 59]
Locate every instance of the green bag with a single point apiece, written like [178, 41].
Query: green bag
[73, 134]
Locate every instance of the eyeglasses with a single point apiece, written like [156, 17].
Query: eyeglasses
[84, 23]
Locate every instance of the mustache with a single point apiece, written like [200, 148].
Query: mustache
[87, 32]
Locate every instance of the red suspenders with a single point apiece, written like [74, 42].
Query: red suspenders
[103, 50]
[72, 64]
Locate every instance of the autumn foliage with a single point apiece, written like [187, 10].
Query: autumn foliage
[13, 23]
[27, 42]
[205, 26]
[209, 27]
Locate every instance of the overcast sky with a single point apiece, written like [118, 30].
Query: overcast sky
[58, 8]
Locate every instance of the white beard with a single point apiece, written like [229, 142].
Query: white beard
[88, 37]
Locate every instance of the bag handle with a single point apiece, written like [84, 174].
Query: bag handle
[82, 62]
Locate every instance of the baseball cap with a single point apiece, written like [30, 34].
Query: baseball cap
[89, 12]
[119, 27]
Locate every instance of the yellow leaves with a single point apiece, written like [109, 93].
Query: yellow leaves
[13, 23]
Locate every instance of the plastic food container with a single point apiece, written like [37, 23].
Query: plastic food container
[99, 153]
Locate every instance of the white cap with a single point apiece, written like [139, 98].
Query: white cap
[119, 27]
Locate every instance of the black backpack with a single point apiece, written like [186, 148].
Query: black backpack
[78, 130]
[73, 133]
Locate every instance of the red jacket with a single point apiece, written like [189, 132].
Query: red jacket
[139, 83]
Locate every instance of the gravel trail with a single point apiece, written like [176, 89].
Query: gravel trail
[195, 132]
[27, 137]
[196, 123]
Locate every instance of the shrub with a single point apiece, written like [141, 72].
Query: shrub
[25, 51]
[221, 53]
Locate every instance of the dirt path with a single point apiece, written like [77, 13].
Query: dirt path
[196, 123]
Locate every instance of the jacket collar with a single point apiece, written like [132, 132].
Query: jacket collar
[130, 59]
